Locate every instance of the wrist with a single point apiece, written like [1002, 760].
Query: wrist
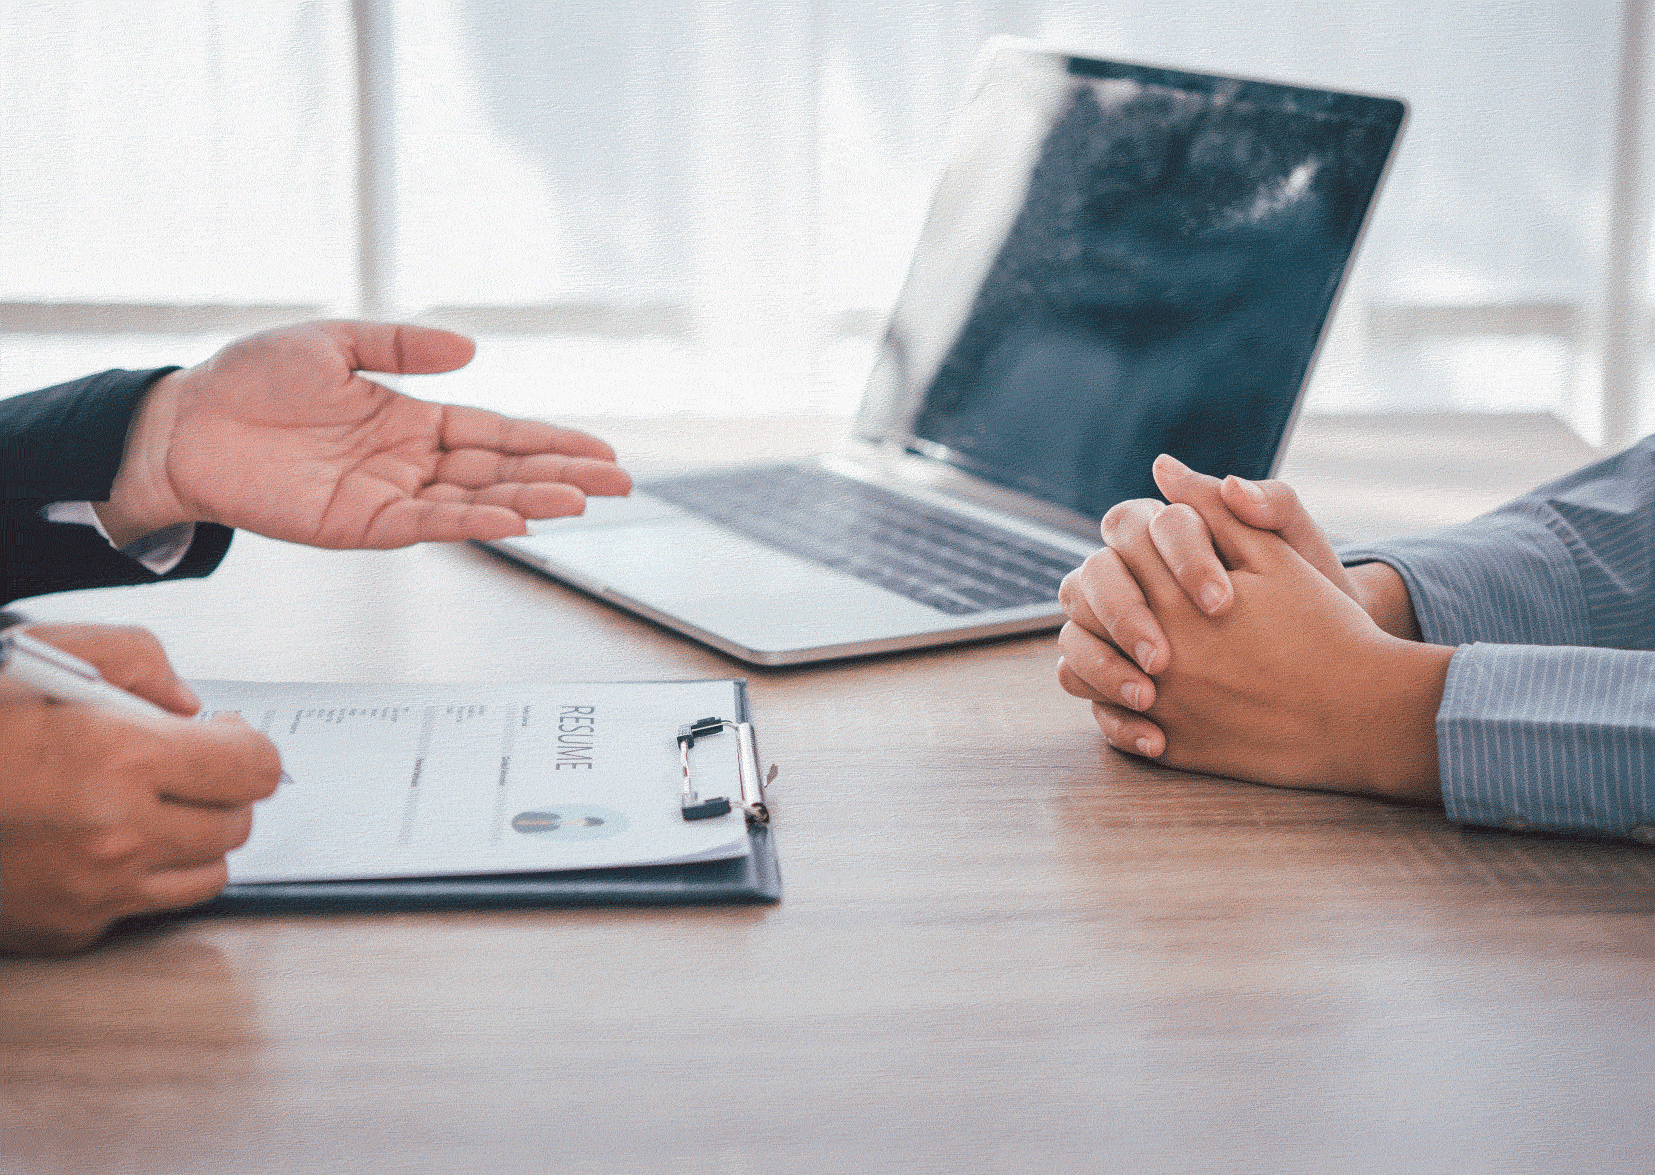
[1393, 741]
[141, 500]
[1383, 595]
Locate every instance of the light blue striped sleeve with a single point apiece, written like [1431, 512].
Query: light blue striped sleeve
[1548, 718]
[1571, 563]
[1558, 738]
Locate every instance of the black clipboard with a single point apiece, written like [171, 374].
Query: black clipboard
[751, 880]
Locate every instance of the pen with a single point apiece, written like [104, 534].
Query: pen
[62, 676]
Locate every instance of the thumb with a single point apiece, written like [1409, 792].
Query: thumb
[127, 657]
[1238, 543]
[1273, 505]
[399, 348]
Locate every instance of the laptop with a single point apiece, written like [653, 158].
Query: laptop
[1120, 260]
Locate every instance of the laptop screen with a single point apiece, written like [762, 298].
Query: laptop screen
[1122, 261]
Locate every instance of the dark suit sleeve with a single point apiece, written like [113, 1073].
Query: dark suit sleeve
[64, 444]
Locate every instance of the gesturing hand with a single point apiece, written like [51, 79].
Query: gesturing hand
[104, 813]
[1291, 683]
[280, 433]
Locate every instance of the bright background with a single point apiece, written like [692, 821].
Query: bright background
[706, 206]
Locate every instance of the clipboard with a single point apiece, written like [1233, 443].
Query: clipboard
[751, 880]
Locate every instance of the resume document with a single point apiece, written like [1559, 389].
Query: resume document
[444, 780]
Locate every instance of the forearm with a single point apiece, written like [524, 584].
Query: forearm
[1498, 579]
[1572, 563]
[1559, 739]
[140, 500]
[41, 557]
[67, 443]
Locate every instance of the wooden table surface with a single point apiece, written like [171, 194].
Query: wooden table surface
[1003, 947]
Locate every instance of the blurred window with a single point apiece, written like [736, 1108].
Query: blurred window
[707, 205]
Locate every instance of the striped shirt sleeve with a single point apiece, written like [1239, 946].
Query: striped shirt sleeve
[1559, 738]
[1548, 718]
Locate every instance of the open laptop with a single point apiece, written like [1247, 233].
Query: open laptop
[1119, 261]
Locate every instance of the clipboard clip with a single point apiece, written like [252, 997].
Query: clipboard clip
[691, 804]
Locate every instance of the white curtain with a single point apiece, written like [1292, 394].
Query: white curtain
[706, 205]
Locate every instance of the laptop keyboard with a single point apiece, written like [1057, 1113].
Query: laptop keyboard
[949, 561]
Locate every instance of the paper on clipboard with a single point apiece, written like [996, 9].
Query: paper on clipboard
[451, 780]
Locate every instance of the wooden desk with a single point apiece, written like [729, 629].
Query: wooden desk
[1003, 947]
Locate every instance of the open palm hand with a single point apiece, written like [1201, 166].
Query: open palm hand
[280, 433]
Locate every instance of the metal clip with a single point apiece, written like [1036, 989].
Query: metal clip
[747, 767]
[691, 804]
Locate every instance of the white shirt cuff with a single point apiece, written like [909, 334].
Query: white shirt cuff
[160, 551]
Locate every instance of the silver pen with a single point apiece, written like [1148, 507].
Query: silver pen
[66, 677]
[61, 675]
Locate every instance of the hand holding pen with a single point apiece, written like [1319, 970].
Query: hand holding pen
[113, 800]
[31, 666]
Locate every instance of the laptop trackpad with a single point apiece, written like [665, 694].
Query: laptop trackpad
[755, 595]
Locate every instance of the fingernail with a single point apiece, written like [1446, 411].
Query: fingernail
[1143, 746]
[1144, 654]
[1248, 488]
[1168, 457]
[1132, 695]
[1211, 597]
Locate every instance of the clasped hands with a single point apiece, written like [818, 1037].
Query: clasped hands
[1218, 632]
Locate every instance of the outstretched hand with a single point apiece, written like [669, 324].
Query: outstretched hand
[282, 434]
